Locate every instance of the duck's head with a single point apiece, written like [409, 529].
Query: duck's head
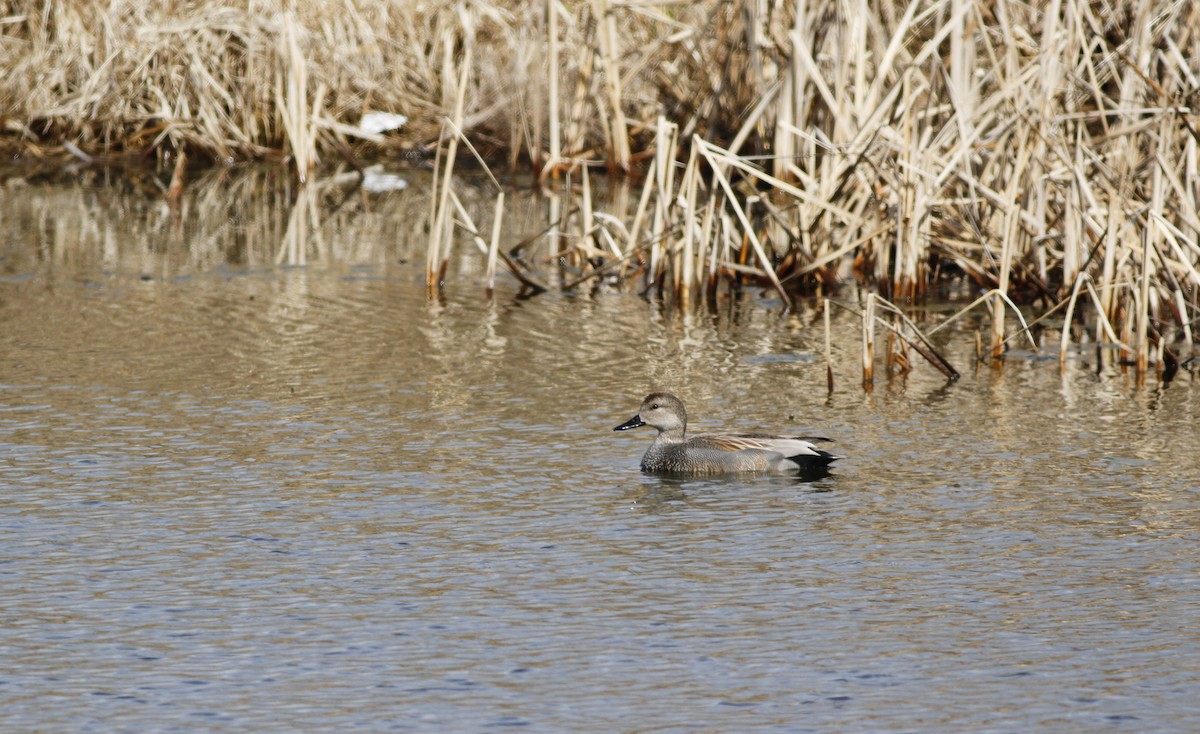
[662, 410]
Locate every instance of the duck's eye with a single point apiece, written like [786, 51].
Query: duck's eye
[654, 407]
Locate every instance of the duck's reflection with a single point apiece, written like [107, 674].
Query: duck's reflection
[662, 493]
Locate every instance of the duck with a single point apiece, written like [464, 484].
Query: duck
[674, 452]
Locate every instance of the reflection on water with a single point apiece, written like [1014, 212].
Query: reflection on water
[242, 496]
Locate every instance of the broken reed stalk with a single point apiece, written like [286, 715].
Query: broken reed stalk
[920, 344]
[868, 343]
[828, 348]
[587, 243]
[494, 243]
[438, 251]
[898, 362]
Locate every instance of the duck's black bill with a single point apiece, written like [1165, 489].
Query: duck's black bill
[633, 422]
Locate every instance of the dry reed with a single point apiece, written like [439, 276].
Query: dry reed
[1029, 150]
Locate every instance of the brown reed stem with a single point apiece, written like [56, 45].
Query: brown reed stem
[828, 348]
[868, 343]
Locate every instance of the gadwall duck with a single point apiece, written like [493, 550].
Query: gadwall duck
[710, 453]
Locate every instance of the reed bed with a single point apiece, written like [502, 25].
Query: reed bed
[1043, 154]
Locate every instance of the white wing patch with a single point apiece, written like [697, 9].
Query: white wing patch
[791, 447]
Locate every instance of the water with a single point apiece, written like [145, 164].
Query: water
[245, 495]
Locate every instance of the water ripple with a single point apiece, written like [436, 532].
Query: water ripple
[272, 502]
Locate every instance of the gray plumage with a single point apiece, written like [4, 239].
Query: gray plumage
[675, 453]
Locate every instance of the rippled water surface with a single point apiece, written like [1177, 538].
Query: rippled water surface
[241, 494]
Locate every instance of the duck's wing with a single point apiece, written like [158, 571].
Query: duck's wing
[787, 447]
[759, 452]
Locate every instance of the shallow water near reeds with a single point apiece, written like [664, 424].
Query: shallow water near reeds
[242, 495]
